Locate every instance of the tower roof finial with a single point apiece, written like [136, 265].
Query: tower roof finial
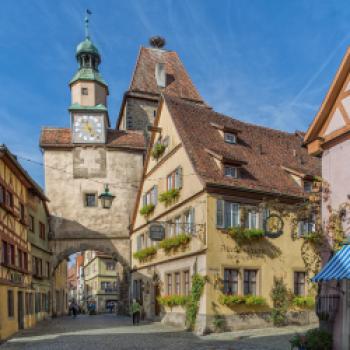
[88, 13]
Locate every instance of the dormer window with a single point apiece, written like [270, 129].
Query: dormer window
[230, 137]
[307, 186]
[231, 171]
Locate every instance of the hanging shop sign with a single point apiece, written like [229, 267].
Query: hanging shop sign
[273, 226]
[156, 232]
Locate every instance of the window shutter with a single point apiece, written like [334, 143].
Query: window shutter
[138, 243]
[178, 178]
[155, 195]
[220, 214]
[193, 221]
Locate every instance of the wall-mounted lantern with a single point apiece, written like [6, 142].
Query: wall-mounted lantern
[106, 198]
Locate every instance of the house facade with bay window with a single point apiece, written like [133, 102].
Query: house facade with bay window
[201, 209]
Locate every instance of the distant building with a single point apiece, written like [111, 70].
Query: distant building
[102, 281]
[72, 282]
[80, 278]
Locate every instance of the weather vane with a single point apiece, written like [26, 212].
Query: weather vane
[88, 13]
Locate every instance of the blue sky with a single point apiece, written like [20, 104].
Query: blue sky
[263, 61]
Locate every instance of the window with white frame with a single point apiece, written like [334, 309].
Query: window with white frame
[177, 223]
[174, 179]
[151, 197]
[307, 226]
[230, 137]
[227, 214]
[252, 219]
[231, 171]
[230, 281]
[190, 221]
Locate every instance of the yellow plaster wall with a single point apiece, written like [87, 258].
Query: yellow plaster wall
[278, 257]
[190, 181]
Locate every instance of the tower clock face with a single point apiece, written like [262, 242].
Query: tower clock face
[88, 129]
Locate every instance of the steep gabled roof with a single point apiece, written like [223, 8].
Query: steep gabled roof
[178, 82]
[263, 153]
[62, 137]
[328, 102]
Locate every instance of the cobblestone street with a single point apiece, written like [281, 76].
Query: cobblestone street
[111, 332]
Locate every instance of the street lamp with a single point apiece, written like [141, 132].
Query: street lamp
[106, 198]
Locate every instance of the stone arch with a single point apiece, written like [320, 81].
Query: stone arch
[62, 249]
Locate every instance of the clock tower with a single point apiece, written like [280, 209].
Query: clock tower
[88, 109]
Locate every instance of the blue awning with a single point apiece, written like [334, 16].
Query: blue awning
[338, 268]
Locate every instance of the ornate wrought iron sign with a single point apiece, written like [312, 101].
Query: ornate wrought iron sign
[273, 226]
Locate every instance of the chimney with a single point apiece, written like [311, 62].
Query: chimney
[160, 74]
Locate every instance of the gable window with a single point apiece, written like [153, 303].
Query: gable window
[90, 200]
[9, 199]
[174, 179]
[2, 194]
[231, 171]
[42, 234]
[227, 214]
[151, 197]
[84, 91]
[31, 223]
[307, 186]
[230, 281]
[250, 282]
[299, 283]
[230, 137]
[110, 266]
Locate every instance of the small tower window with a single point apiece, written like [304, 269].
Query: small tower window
[84, 91]
[230, 137]
[90, 200]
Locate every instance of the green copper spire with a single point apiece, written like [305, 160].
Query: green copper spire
[88, 57]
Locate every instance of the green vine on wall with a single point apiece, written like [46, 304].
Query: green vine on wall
[192, 306]
[280, 297]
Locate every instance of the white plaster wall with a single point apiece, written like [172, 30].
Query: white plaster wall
[123, 174]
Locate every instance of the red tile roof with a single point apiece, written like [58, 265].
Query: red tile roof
[62, 137]
[178, 82]
[264, 152]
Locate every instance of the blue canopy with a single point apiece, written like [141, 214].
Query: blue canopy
[338, 268]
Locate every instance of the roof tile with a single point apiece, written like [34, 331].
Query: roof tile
[265, 151]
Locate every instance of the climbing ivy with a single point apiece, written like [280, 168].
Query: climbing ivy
[280, 297]
[192, 306]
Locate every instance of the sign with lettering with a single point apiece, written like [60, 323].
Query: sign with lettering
[273, 226]
[156, 232]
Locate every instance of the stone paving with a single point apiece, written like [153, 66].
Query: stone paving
[114, 332]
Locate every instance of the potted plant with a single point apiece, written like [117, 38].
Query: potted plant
[314, 339]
